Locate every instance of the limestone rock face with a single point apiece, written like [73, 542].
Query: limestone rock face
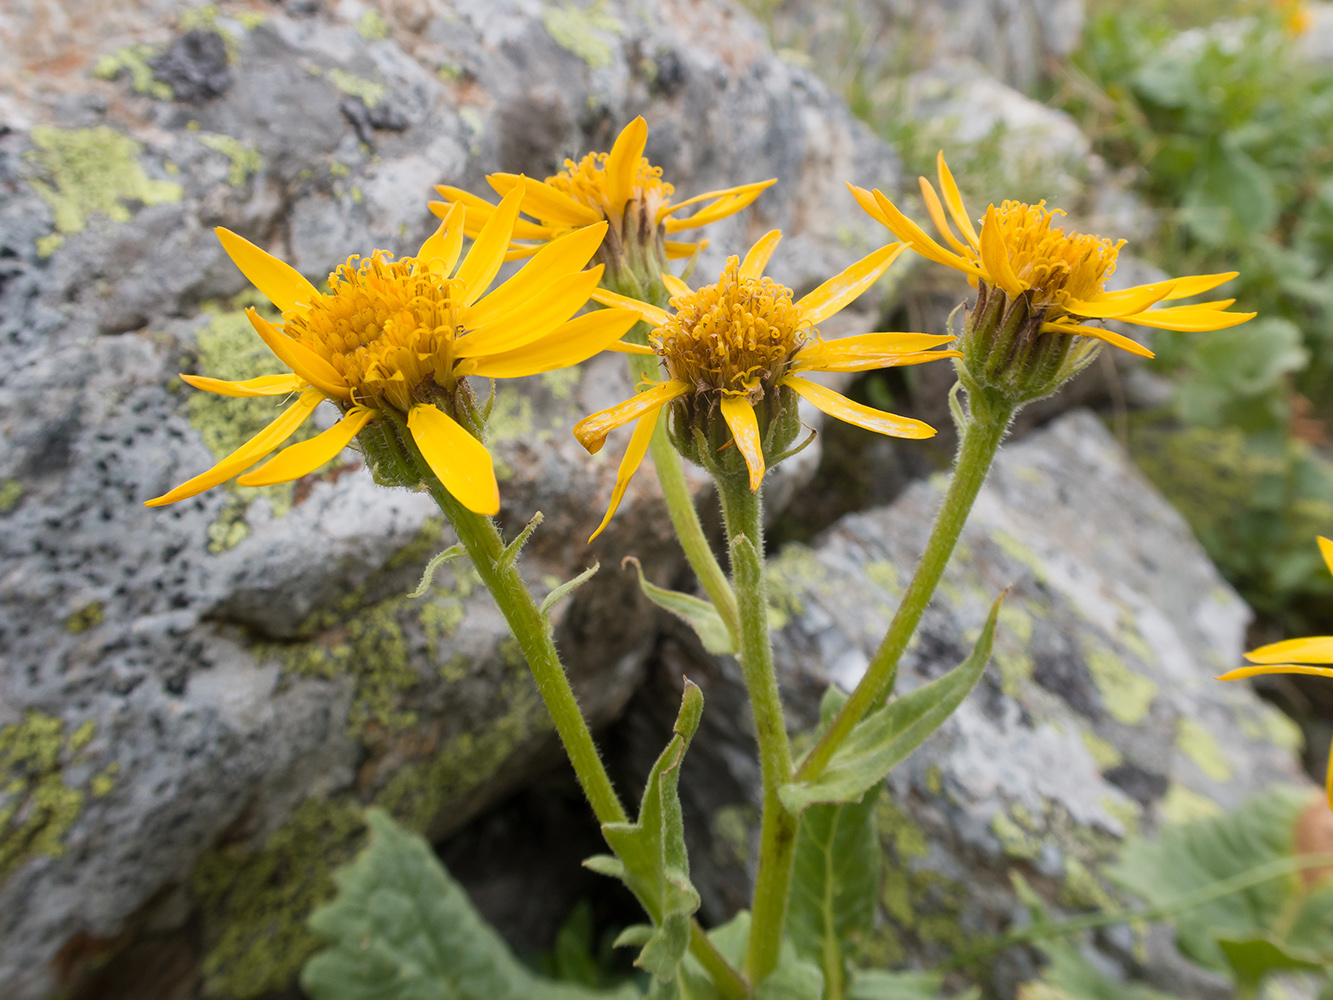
[194, 701]
[1098, 715]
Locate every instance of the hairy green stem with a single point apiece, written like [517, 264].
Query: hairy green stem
[985, 428]
[1281, 868]
[679, 502]
[532, 630]
[743, 513]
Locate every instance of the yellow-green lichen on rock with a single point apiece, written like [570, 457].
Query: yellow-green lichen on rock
[133, 60]
[586, 32]
[372, 26]
[245, 159]
[93, 171]
[1126, 695]
[1200, 746]
[795, 571]
[37, 806]
[370, 92]
[89, 616]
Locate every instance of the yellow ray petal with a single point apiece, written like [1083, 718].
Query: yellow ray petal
[718, 210]
[954, 199]
[446, 242]
[459, 460]
[937, 216]
[1197, 284]
[1188, 319]
[638, 447]
[1115, 305]
[564, 297]
[679, 251]
[834, 294]
[757, 259]
[753, 189]
[281, 283]
[1240, 673]
[869, 205]
[479, 212]
[305, 457]
[864, 361]
[621, 347]
[837, 405]
[483, 260]
[623, 163]
[1097, 333]
[995, 257]
[541, 201]
[299, 358]
[674, 285]
[648, 313]
[556, 261]
[1326, 550]
[1312, 649]
[566, 345]
[915, 237]
[264, 385]
[739, 415]
[592, 430]
[283, 427]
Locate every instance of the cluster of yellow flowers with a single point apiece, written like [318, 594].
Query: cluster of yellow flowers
[392, 342]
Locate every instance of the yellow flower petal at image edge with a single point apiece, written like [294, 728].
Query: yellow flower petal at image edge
[399, 336]
[1277, 657]
[598, 188]
[1019, 251]
[730, 343]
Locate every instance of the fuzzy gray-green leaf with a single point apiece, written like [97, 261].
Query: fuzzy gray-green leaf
[696, 612]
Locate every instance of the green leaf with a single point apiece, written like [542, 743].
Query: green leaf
[1248, 933]
[884, 738]
[694, 611]
[402, 929]
[428, 574]
[568, 586]
[793, 979]
[876, 984]
[650, 853]
[835, 885]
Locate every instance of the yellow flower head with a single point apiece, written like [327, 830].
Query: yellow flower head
[1058, 277]
[1312, 655]
[393, 341]
[621, 188]
[738, 348]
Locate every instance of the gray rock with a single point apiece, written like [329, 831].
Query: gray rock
[1099, 714]
[195, 701]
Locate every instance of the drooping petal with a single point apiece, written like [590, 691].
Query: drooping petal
[483, 260]
[592, 430]
[1098, 333]
[834, 357]
[282, 284]
[995, 257]
[264, 385]
[648, 313]
[479, 212]
[915, 237]
[740, 418]
[1188, 319]
[842, 288]
[511, 331]
[679, 251]
[674, 285]
[757, 259]
[623, 163]
[541, 201]
[869, 205]
[1197, 284]
[446, 242]
[459, 460]
[1326, 550]
[305, 457]
[299, 358]
[1240, 673]
[566, 345]
[283, 427]
[638, 447]
[837, 405]
[555, 261]
[1117, 305]
[622, 347]
[954, 199]
[1312, 649]
[749, 192]
[718, 210]
[937, 216]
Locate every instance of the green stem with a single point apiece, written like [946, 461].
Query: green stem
[743, 513]
[480, 537]
[981, 438]
[1044, 930]
[679, 501]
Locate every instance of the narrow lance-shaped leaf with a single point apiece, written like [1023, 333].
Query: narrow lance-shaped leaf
[650, 852]
[884, 738]
[402, 929]
[696, 612]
